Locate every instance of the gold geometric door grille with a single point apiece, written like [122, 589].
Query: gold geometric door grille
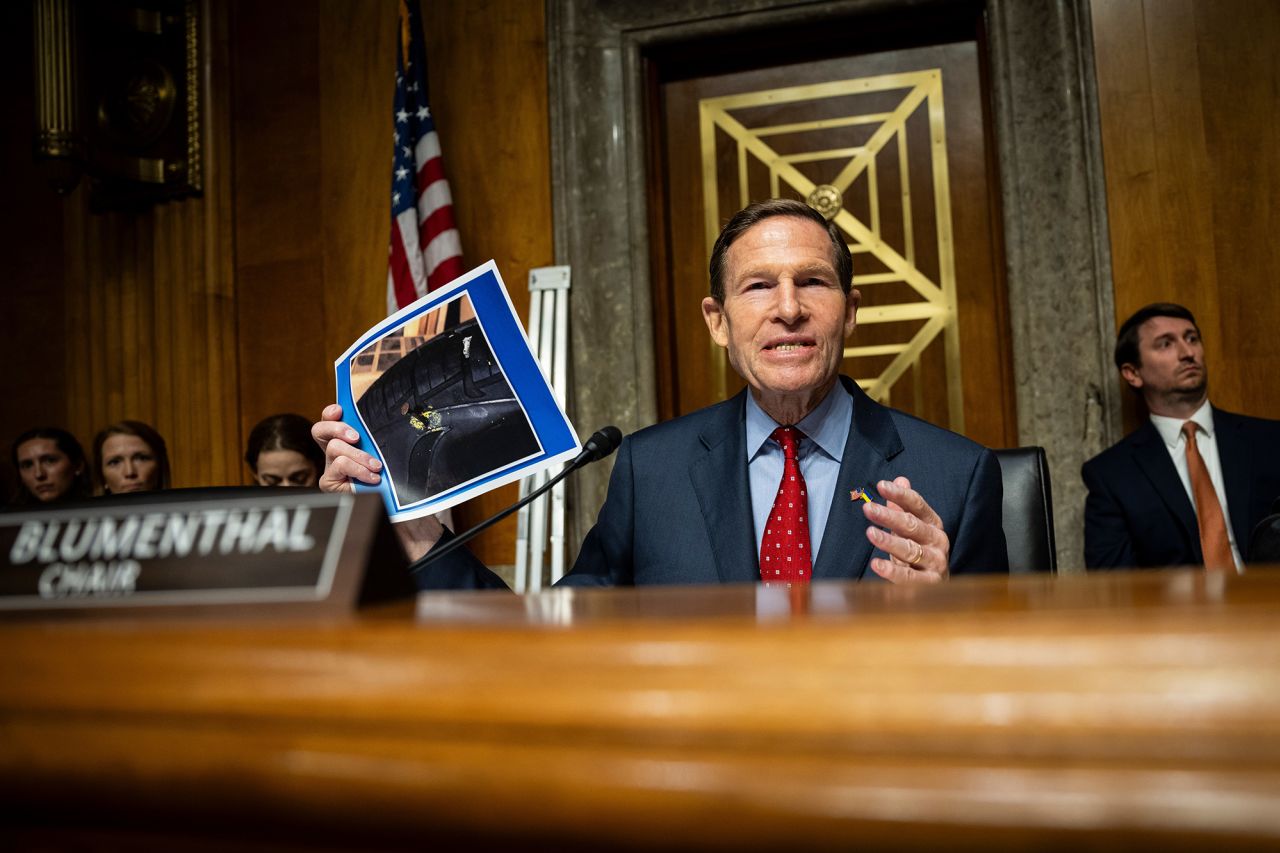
[855, 150]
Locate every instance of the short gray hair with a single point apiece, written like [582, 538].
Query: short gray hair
[759, 211]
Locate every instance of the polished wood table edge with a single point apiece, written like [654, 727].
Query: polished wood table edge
[769, 604]
[1000, 713]
[756, 603]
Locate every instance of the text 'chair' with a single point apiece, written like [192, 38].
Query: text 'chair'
[1028, 510]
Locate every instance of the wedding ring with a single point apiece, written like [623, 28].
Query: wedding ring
[919, 552]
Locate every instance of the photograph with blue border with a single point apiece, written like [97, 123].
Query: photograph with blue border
[448, 394]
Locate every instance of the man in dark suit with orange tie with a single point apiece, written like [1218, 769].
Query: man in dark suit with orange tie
[763, 486]
[1189, 485]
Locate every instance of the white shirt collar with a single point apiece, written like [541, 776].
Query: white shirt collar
[1170, 429]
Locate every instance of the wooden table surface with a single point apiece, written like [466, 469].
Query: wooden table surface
[1102, 712]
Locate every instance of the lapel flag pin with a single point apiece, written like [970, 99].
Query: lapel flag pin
[859, 493]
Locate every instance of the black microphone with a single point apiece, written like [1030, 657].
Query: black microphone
[603, 442]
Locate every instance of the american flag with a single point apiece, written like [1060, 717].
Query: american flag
[426, 251]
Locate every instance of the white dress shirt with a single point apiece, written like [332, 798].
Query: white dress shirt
[1175, 442]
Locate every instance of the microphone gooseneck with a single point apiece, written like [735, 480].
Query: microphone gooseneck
[602, 443]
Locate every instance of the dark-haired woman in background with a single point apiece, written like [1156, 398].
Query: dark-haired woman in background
[52, 467]
[130, 456]
[281, 452]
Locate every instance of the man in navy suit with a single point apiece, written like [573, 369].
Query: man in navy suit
[690, 500]
[1141, 510]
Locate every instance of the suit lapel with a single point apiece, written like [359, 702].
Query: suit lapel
[873, 441]
[1233, 456]
[720, 481]
[1152, 458]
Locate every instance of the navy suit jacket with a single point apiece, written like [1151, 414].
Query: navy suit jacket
[1137, 513]
[678, 509]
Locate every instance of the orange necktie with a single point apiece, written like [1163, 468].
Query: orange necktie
[1214, 543]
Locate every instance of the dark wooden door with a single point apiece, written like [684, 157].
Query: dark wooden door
[897, 143]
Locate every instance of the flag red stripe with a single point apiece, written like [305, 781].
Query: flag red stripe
[400, 275]
[441, 219]
[430, 172]
[447, 271]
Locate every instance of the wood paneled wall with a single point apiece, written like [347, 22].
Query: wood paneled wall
[33, 372]
[313, 150]
[312, 109]
[133, 318]
[1189, 92]
[150, 314]
[205, 315]
[488, 82]
[151, 331]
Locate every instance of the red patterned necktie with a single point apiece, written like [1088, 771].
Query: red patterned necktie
[785, 554]
[1215, 546]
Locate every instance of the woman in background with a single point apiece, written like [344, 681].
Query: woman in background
[51, 466]
[281, 452]
[130, 456]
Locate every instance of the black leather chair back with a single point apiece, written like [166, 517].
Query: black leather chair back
[1028, 510]
[1264, 542]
